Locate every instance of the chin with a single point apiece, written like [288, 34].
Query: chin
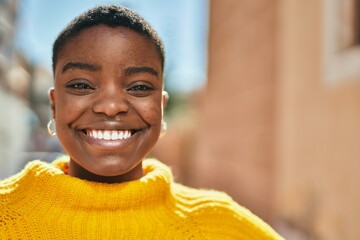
[114, 167]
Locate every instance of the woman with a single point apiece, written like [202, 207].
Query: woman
[107, 103]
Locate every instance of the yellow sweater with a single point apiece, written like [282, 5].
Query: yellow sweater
[42, 202]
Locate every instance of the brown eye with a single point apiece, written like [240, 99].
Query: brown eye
[79, 86]
[140, 90]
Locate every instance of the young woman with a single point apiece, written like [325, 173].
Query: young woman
[107, 103]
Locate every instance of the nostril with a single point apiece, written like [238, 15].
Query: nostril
[111, 106]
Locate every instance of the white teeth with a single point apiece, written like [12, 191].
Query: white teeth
[109, 135]
[114, 135]
[121, 134]
[100, 135]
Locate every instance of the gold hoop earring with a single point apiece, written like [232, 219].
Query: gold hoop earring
[163, 128]
[51, 126]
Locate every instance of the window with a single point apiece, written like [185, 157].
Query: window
[342, 40]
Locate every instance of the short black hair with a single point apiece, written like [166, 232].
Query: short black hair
[112, 16]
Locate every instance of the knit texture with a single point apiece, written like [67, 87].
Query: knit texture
[42, 202]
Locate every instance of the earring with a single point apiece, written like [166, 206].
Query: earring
[51, 126]
[163, 128]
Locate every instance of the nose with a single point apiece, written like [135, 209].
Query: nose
[111, 103]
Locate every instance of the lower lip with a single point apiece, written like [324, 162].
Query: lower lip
[107, 144]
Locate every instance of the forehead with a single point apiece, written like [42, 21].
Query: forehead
[99, 42]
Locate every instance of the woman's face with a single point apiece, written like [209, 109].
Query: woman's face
[107, 102]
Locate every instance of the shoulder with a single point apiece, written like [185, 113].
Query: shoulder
[11, 184]
[22, 182]
[219, 216]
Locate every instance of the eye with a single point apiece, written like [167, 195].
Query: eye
[140, 90]
[81, 87]
[78, 86]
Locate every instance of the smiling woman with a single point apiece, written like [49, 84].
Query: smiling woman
[107, 103]
[103, 92]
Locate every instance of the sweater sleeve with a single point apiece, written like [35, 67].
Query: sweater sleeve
[217, 216]
[229, 221]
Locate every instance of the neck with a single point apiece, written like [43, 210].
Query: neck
[75, 170]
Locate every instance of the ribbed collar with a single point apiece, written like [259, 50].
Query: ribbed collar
[41, 182]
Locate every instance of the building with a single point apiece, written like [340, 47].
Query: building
[280, 118]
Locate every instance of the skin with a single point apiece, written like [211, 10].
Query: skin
[108, 79]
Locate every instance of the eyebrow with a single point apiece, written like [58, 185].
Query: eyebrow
[81, 65]
[135, 70]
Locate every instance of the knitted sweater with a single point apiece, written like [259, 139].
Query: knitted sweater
[42, 202]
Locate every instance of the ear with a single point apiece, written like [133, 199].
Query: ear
[165, 99]
[51, 93]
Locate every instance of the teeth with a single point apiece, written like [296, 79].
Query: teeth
[100, 135]
[108, 135]
[121, 135]
[114, 135]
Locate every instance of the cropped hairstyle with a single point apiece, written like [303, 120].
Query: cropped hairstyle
[112, 16]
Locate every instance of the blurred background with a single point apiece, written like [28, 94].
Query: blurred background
[265, 101]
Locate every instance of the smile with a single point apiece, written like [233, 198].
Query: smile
[110, 135]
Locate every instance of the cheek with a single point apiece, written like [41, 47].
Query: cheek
[150, 111]
[69, 108]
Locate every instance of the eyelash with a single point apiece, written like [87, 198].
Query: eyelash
[141, 88]
[79, 86]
